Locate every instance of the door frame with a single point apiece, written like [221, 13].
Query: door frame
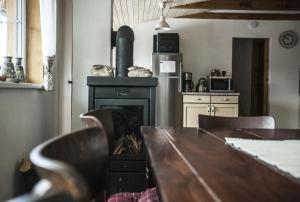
[65, 66]
[260, 53]
[266, 106]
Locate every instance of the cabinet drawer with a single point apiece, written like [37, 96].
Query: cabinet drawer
[228, 110]
[127, 166]
[128, 179]
[196, 99]
[224, 99]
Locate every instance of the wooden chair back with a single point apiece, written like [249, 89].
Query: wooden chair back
[258, 122]
[101, 118]
[76, 163]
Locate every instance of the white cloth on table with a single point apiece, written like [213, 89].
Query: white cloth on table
[284, 154]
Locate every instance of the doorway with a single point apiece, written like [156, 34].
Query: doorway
[250, 73]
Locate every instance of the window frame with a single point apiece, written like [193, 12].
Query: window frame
[2, 22]
[20, 32]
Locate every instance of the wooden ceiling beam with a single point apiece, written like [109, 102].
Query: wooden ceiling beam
[271, 5]
[242, 16]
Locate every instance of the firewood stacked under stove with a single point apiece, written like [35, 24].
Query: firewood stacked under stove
[128, 144]
[127, 122]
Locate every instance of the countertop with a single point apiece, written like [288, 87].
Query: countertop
[212, 93]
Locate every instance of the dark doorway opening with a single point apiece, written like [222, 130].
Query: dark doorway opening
[250, 73]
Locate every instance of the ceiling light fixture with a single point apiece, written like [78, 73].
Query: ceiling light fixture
[162, 25]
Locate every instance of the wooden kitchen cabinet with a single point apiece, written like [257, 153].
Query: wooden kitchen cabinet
[208, 104]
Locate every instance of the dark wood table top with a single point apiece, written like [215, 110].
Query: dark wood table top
[192, 164]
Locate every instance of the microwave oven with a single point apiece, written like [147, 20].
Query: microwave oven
[166, 43]
[220, 84]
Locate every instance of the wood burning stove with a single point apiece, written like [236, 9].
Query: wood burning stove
[132, 102]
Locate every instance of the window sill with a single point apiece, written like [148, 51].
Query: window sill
[21, 85]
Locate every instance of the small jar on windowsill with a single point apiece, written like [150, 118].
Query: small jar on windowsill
[19, 75]
[7, 69]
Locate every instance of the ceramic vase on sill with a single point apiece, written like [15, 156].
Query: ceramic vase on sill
[7, 69]
[20, 77]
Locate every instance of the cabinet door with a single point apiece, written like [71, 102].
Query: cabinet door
[191, 112]
[229, 110]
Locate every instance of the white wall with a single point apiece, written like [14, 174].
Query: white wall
[207, 44]
[91, 45]
[26, 119]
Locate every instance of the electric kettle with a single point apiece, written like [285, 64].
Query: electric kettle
[201, 85]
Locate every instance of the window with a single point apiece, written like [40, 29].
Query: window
[12, 28]
[20, 35]
[3, 32]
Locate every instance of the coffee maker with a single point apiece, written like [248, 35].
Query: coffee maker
[187, 83]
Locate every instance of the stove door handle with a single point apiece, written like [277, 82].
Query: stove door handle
[122, 91]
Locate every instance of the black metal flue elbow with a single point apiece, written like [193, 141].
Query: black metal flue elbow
[124, 50]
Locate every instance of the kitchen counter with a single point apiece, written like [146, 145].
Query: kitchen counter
[208, 103]
[212, 93]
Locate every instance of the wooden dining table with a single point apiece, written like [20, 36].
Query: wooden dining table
[194, 164]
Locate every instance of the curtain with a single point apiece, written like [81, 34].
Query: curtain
[48, 13]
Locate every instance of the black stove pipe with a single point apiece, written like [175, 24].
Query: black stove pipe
[124, 50]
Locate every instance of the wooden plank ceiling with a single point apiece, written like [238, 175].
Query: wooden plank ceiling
[130, 12]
